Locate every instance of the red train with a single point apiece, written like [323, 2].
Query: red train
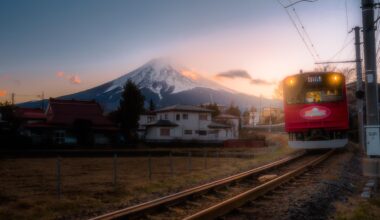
[316, 112]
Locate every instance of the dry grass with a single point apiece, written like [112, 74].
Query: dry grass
[28, 186]
[358, 208]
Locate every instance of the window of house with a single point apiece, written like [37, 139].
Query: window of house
[166, 116]
[201, 132]
[203, 117]
[150, 119]
[165, 132]
[213, 131]
[178, 117]
[59, 137]
[188, 132]
[185, 116]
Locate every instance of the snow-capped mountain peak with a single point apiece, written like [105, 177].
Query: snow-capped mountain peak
[162, 76]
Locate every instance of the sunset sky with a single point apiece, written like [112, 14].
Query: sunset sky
[62, 47]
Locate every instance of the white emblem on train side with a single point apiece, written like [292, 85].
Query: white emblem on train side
[315, 112]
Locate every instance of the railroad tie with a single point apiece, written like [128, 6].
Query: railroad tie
[197, 204]
[247, 210]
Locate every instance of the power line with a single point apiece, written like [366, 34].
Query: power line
[345, 5]
[345, 45]
[306, 34]
[291, 4]
[298, 31]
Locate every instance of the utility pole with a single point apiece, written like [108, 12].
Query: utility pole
[371, 91]
[42, 100]
[359, 87]
[13, 98]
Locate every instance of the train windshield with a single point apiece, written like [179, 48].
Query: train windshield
[314, 89]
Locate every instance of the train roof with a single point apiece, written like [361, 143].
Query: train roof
[314, 73]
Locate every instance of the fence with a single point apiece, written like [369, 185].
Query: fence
[96, 175]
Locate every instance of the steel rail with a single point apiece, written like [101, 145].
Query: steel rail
[147, 207]
[239, 200]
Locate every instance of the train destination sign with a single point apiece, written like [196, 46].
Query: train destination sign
[314, 79]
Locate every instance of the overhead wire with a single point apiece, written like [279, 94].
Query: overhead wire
[299, 32]
[306, 33]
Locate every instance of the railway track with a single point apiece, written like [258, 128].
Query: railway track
[220, 197]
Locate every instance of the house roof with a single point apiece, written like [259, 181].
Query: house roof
[68, 111]
[218, 125]
[149, 113]
[226, 116]
[163, 123]
[183, 108]
[30, 113]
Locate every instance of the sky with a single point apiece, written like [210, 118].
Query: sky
[62, 47]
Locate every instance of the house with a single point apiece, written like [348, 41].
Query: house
[145, 118]
[271, 115]
[186, 123]
[67, 122]
[231, 120]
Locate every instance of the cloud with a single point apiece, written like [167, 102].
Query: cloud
[3, 93]
[235, 74]
[260, 82]
[75, 79]
[232, 74]
[60, 74]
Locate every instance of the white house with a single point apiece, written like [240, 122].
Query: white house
[186, 123]
[231, 120]
[145, 118]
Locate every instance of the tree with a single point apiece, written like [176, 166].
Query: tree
[214, 108]
[349, 73]
[246, 116]
[152, 106]
[130, 108]
[7, 112]
[279, 91]
[233, 110]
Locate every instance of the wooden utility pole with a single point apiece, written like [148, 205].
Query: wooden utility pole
[359, 87]
[371, 92]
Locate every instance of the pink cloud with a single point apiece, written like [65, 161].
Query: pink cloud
[60, 74]
[75, 79]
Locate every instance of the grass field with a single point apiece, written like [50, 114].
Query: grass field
[28, 186]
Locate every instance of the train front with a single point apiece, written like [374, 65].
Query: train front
[315, 107]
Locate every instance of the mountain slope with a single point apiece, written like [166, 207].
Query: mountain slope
[166, 84]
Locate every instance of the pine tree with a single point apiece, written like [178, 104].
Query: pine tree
[214, 107]
[130, 108]
[152, 106]
[233, 110]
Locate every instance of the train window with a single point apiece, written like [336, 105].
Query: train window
[313, 96]
[323, 95]
[313, 92]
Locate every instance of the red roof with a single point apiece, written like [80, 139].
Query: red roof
[30, 113]
[68, 111]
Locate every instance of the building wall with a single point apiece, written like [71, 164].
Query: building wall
[194, 126]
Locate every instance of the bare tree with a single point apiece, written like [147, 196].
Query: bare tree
[348, 72]
[278, 92]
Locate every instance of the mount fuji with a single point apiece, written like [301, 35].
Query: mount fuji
[166, 84]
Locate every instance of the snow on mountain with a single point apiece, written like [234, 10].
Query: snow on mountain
[165, 83]
[160, 77]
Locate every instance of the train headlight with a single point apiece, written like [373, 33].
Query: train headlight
[291, 81]
[335, 79]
